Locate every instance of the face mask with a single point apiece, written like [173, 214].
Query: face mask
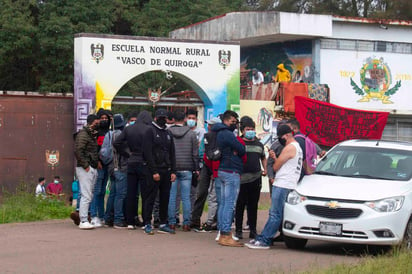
[232, 127]
[282, 141]
[191, 123]
[104, 124]
[56, 181]
[161, 121]
[132, 122]
[250, 134]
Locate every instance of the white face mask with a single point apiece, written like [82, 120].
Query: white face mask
[191, 122]
[56, 181]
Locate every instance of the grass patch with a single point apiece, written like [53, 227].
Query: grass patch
[396, 261]
[25, 207]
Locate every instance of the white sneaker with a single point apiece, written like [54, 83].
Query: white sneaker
[86, 225]
[257, 245]
[217, 236]
[235, 238]
[96, 222]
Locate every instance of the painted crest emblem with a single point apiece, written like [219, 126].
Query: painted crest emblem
[375, 79]
[97, 52]
[224, 58]
[154, 95]
[52, 158]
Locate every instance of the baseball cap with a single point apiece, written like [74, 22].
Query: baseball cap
[161, 112]
[283, 129]
[213, 121]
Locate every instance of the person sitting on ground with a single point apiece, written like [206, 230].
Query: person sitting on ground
[40, 189]
[55, 189]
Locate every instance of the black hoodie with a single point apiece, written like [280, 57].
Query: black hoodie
[134, 136]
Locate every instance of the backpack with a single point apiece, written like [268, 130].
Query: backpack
[212, 151]
[106, 151]
[311, 155]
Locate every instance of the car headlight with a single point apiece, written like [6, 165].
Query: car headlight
[387, 205]
[295, 198]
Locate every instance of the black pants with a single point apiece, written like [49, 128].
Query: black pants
[249, 195]
[202, 191]
[136, 175]
[149, 191]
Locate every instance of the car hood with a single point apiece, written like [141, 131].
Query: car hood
[346, 188]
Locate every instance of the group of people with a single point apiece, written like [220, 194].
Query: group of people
[52, 190]
[282, 75]
[167, 160]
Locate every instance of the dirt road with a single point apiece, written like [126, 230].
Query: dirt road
[60, 247]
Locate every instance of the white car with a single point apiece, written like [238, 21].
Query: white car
[360, 193]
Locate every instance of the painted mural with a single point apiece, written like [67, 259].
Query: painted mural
[104, 63]
[296, 57]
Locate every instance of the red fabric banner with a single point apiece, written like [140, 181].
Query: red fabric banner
[328, 124]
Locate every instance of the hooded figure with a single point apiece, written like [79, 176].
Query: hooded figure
[282, 75]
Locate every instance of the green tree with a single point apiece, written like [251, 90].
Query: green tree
[18, 45]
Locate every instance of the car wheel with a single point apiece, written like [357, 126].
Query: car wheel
[294, 243]
[407, 237]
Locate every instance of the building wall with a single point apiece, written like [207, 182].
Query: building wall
[30, 125]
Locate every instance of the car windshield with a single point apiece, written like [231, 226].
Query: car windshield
[367, 162]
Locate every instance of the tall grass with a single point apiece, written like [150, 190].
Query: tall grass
[25, 207]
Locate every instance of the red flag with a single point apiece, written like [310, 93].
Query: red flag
[328, 124]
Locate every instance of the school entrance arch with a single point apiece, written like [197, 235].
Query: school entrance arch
[104, 63]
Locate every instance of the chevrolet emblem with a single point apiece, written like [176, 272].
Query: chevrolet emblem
[333, 204]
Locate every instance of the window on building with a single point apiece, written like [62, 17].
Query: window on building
[398, 129]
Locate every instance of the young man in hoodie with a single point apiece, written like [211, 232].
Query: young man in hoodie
[137, 171]
[97, 204]
[187, 162]
[228, 180]
[161, 163]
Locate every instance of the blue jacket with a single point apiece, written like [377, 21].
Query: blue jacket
[232, 149]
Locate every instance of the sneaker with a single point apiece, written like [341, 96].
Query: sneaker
[156, 223]
[217, 236]
[120, 226]
[148, 230]
[166, 229]
[96, 222]
[138, 222]
[86, 225]
[257, 245]
[205, 228]
[234, 237]
[246, 228]
[131, 227]
[108, 224]
[186, 228]
[239, 235]
[75, 217]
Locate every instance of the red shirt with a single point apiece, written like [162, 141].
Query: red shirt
[54, 188]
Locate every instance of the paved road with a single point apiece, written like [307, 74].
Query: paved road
[59, 247]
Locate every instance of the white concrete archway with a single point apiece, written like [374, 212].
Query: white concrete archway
[104, 63]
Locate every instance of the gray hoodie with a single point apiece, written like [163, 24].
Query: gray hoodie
[186, 148]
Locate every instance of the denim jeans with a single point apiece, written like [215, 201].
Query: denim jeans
[115, 207]
[227, 188]
[184, 179]
[272, 225]
[97, 204]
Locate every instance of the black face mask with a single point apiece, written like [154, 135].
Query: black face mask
[282, 141]
[161, 121]
[104, 124]
[232, 127]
